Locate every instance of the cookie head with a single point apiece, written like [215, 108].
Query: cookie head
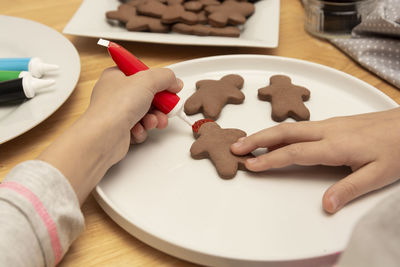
[196, 126]
[280, 79]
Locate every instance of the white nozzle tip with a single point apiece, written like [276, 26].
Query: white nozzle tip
[49, 67]
[185, 118]
[33, 85]
[103, 42]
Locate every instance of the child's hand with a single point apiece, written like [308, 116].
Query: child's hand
[368, 143]
[129, 98]
[125, 103]
[118, 110]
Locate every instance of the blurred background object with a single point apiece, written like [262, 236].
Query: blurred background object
[335, 18]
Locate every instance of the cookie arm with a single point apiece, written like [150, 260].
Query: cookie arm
[235, 97]
[193, 104]
[202, 83]
[305, 93]
[265, 93]
[218, 19]
[236, 19]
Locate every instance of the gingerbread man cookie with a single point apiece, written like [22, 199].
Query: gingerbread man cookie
[214, 142]
[286, 99]
[204, 30]
[133, 22]
[135, 3]
[229, 12]
[152, 8]
[177, 13]
[212, 95]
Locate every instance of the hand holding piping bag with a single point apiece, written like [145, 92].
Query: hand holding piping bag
[165, 102]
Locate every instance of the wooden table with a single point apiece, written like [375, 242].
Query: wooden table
[104, 243]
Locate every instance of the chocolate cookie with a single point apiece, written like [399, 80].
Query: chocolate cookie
[193, 5]
[127, 15]
[214, 143]
[204, 30]
[177, 13]
[212, 95]
[135, 3]
[152, 8]
[229, 12]
[286, 99]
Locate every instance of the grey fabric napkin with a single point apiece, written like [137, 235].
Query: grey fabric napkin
[375, 42]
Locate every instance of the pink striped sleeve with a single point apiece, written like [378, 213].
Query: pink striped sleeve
[42, 212]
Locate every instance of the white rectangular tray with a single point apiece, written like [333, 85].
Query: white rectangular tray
[260, 30]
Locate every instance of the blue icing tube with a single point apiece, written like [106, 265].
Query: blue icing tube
[15, 63]
[34, 65]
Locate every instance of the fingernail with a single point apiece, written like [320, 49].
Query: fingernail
[252, 160]
[334, 202]
[238, 143]
[180, 83]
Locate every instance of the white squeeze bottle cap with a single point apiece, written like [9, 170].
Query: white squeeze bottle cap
[33, 85]
[178, 111]
[37, 67]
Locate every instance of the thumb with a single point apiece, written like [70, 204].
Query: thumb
[362, 181]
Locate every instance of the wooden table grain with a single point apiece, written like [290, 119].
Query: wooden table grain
[104, 243]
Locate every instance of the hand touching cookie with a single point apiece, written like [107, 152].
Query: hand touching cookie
[214, 142]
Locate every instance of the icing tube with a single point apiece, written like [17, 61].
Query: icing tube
[6, 75]
[22, 88]
[34, 65]
[165, 101]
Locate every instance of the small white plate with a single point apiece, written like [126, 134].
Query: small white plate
[179, 205]
[25, 38]
[260, 30]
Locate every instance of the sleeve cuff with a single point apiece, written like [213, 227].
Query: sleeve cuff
[45, 197]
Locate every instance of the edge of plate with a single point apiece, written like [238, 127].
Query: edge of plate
[73, 49]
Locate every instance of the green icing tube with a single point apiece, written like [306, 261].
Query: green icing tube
[6, 75]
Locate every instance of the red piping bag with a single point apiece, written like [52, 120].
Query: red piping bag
[165, 101]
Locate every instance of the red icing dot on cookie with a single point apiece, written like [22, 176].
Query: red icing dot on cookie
[196, 126]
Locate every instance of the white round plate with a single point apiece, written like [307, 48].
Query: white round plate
[179, 205]
[25, 38]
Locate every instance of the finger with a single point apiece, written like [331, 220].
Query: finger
[364, 180]
[113, 71]
[161, 118]
[149, 121]
[160, 79]
[306, 154]
[138, 134]
[284, 133]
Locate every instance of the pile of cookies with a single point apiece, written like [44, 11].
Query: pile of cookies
[195, 17]
[211, 96]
